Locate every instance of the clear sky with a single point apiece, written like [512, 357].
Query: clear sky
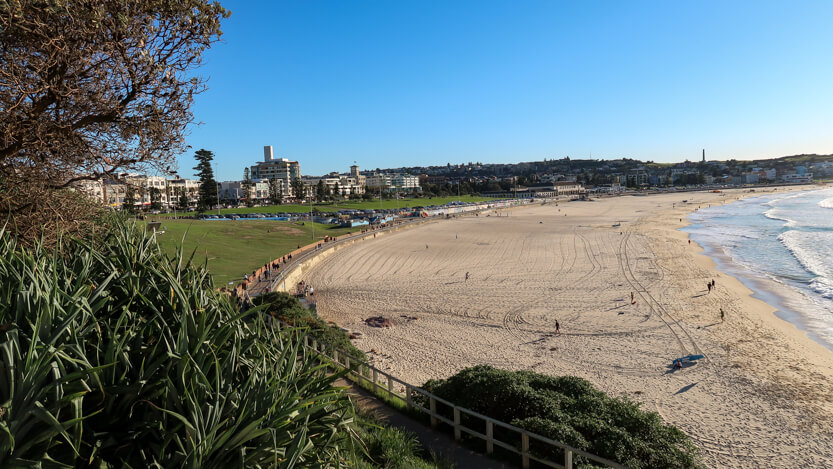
[404, 83]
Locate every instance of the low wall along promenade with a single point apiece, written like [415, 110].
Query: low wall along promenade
[441, 413]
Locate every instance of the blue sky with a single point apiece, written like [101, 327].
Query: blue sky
[396, 83]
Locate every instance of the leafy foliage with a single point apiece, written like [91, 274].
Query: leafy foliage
[114, 355]
[389, 447]
[90, 89]
[569, 409]
[289, 310]
[208, 186]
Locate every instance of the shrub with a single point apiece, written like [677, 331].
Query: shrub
[118, 356]
[288, 309]
[569, 409]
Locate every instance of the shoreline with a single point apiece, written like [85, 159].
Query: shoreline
[762, 394]
[762, 288]
[776, 294]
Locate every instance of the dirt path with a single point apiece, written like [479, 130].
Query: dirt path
[439, 443]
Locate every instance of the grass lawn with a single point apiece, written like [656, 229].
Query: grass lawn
[233, 248]
[349, 204]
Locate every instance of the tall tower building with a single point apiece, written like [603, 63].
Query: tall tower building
[704, 155]
[354, 171]
[271, 168]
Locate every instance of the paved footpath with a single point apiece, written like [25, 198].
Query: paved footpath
[440, 443]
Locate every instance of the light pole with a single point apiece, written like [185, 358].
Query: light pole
[311, 220]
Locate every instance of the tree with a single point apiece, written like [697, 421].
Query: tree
[129, 202]
[321, 190]
[275, 191]
[208, 186]
[298, 189]
[155, 199]
[183, 199]
[89, 89]
[337, 190]
[247, 188]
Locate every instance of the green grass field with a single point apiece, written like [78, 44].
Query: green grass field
[233, 248]
[356, 205]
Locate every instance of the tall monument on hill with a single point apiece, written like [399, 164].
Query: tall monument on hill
[704, 155]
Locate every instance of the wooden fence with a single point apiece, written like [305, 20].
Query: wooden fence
[441, 411]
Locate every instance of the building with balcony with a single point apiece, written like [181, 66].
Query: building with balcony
[276, 168]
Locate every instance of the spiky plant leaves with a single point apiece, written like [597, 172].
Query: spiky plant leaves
[112, 354]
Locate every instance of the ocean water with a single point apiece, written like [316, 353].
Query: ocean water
[781, 247]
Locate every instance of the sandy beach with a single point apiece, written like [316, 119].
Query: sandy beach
[763, 397]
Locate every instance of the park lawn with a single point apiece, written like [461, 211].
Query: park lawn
[347, 204]
[233, 248]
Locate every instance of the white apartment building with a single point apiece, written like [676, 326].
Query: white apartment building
[231, 192]
[276, 168]
[93, 189]
[394, 181]
[142, 186]
[798, 178]
[191, 187]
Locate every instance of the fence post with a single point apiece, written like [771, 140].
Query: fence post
[525, 450]
[568, 459]
[315, 345]
[306, 340]
[375, 376]
[335, 356]
[407, 392]
[490, 436]
[456, 423]
[432, 405]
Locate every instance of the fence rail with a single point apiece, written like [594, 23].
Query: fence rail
[386, 385]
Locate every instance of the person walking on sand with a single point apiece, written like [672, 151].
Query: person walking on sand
[712, 284]
[557, 328]
[709, 286]
[467, 276]
[722, 315]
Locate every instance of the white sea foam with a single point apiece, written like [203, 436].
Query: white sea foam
[776, 214]
[813, 249]
[826, 203]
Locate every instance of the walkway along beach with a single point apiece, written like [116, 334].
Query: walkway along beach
[760, 398]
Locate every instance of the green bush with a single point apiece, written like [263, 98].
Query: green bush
[570, 410]
[114, 355]
[288, 309]
[388, 447]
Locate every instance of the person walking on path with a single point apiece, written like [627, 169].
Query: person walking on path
[557, 328]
